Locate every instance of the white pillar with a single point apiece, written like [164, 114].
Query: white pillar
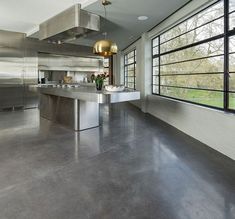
[145, 66]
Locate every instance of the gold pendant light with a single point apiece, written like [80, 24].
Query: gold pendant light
[105, 47]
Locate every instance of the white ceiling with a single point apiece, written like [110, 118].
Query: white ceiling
[123, 27]
[122, 24]
[26, 15]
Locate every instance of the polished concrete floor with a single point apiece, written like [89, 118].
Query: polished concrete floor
[133, 166]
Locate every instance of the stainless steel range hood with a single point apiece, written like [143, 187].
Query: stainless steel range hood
[69, 24]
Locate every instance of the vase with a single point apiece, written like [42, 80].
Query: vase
[99, 84]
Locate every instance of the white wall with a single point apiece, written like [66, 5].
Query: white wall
[212, 127]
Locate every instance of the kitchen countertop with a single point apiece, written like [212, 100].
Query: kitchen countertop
[90, 94]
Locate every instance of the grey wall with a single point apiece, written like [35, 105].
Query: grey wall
[212, 127]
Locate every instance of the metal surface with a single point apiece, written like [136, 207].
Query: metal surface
[54, 62]
[78, 108]
[69, 24]
[90, 94]
[73, 113]
[105, 48]
[19, 67]
[11, 70]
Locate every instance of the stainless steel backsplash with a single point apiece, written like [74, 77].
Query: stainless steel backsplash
[19, 66]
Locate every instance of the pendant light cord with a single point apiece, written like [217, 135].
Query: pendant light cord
[105, 17]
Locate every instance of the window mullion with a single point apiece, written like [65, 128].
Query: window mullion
[159, 66]
[226, 54]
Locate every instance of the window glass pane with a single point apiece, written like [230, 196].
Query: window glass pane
[130, 60]
[156, 41]
[199, 19]
[129, 69]
[232, 82]
[201, 81]
[211, 98]
[212, 29]
[131, 73]
[232, 56]
[155, 70]
[231, 5]
[125, 60]
[232, 101]
[155, 61]
[232, 62]
[213, 64]
[211, 48]
[130, 79]
[155, 80]
[131, 54]
[155, 50]
[232, 44]
[155, 89]
[232, 21]
[130, 85]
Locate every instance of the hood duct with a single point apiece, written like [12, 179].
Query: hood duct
[68, 25]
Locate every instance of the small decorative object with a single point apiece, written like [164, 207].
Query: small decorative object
[114, 88]
[67, 79]
[99, 80]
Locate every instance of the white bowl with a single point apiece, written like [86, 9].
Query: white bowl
[114, 88]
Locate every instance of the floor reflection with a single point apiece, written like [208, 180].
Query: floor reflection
[133, 166]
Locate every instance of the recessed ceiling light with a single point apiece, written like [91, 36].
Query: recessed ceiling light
[142, 18]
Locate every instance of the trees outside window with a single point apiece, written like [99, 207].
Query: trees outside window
[189, 60]
[130, 69]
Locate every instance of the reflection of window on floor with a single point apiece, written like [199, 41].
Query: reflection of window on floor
[189, 60]
[130, 69]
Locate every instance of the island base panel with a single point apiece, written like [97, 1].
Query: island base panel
[73, 113]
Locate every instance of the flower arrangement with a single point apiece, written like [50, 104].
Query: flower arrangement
[99, 80]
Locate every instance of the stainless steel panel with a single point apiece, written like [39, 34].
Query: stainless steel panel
[11, 58]
[31, 98]
[11, 96]
[71, 23]
[19, 66]
[72, 113]
[90, 94]
[11, 70]
[51, 62]
[78, 108]
[88, 115]
[12, 40]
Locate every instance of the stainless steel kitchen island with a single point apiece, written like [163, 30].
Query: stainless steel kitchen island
[78, 108]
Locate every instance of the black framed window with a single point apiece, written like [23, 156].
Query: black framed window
[231, 55]
[191, 60]
[130, 69]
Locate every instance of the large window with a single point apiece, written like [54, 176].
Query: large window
[191, 60]
[130, 69]
[231, 56]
